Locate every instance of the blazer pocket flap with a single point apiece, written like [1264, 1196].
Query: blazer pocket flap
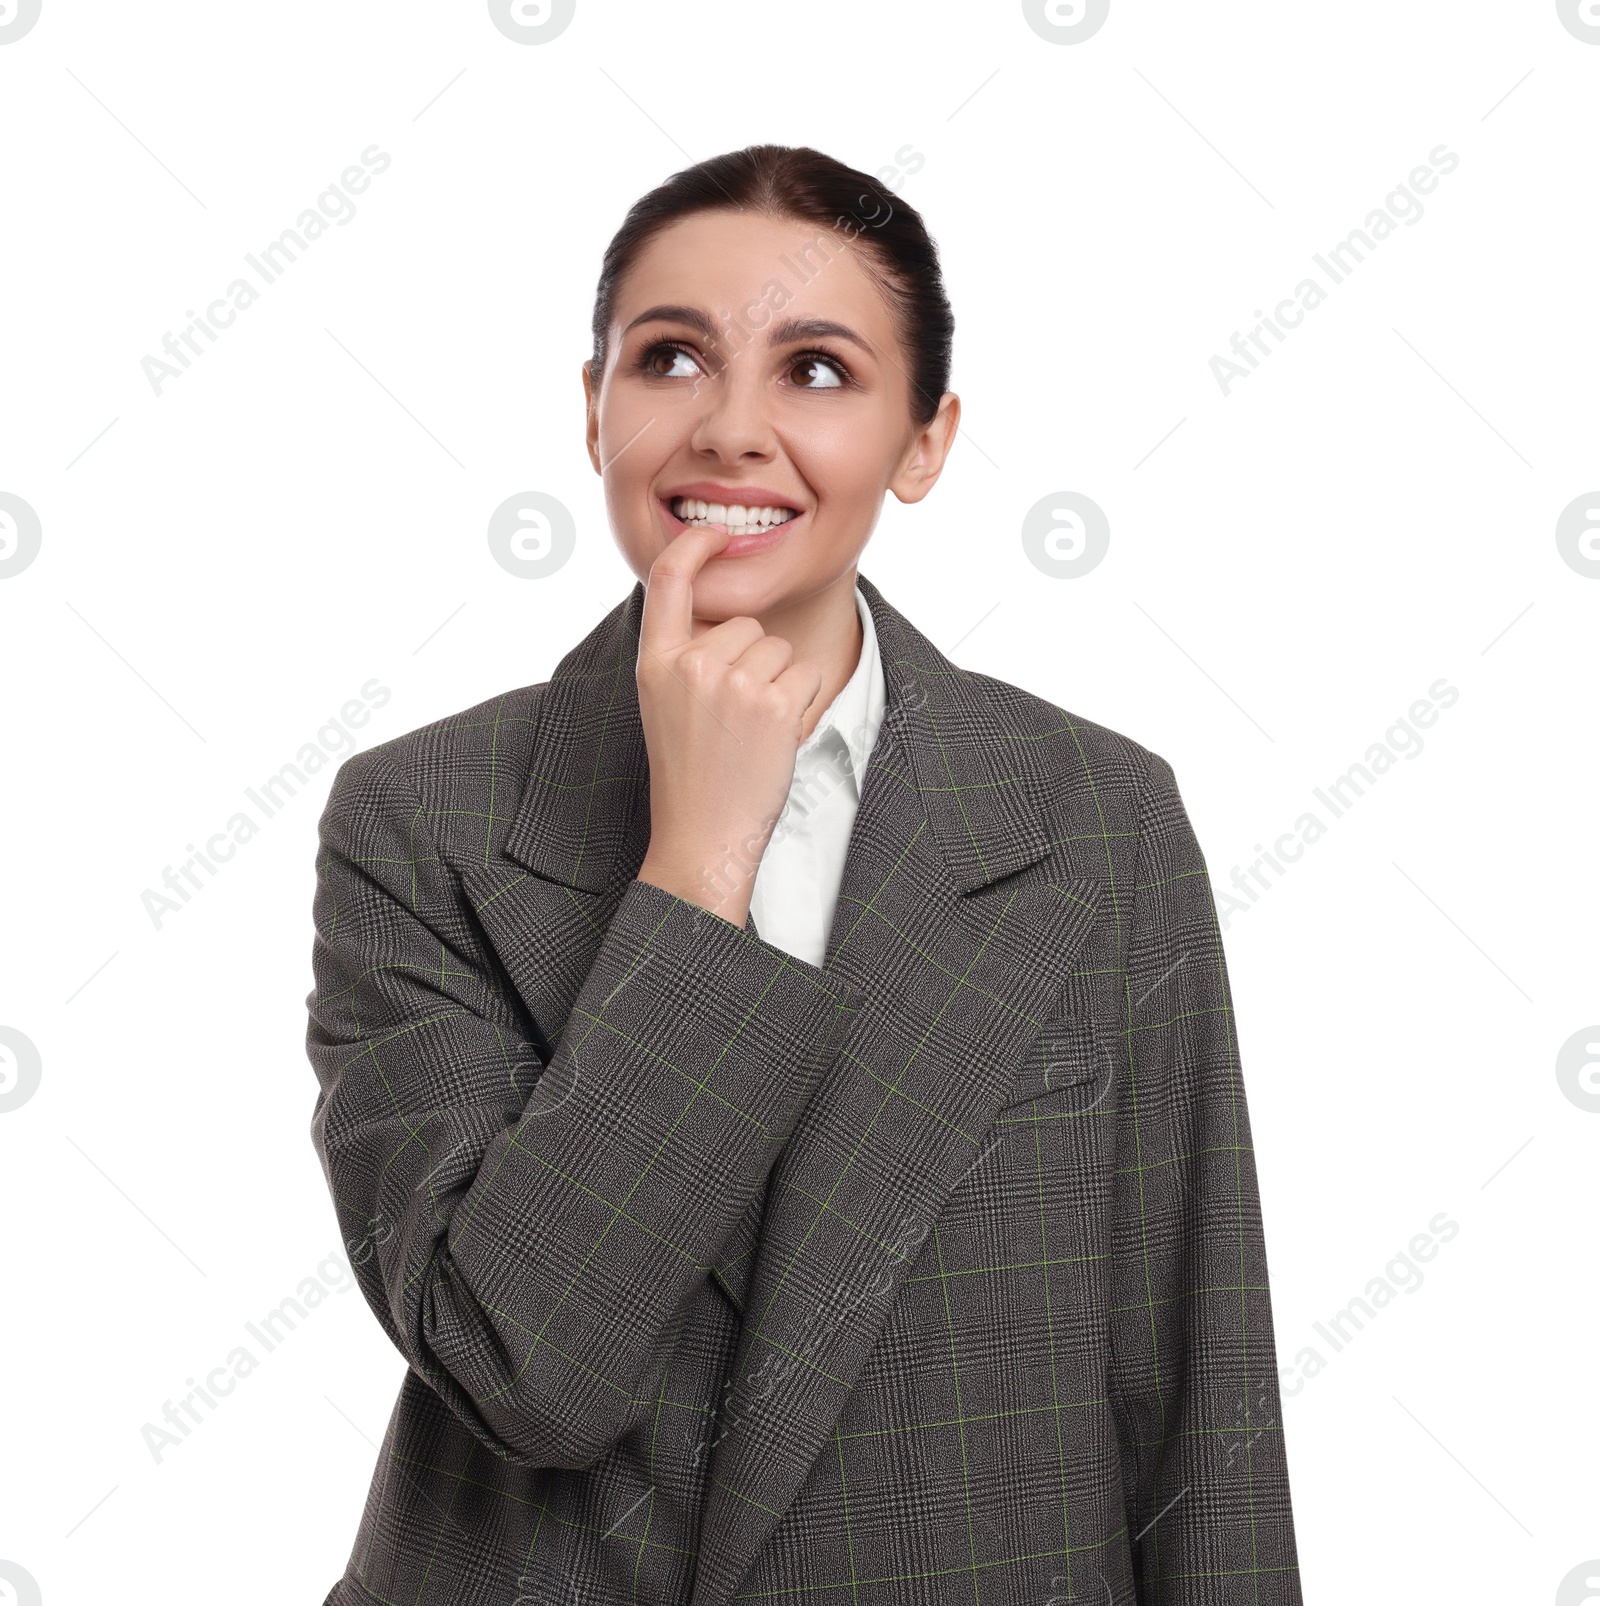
[1068, 1053]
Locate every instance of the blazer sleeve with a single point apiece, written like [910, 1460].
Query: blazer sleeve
[528, 1234]
[1194, 1372]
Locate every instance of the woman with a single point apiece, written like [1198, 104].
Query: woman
[761, 1219]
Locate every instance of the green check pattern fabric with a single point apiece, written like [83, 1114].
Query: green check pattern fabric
[932, 1274]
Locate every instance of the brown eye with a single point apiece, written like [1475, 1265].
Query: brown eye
[816, 373]
[663, 363]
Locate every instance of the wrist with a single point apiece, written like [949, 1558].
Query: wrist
[723, 891]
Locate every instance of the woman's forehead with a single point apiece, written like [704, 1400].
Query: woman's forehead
[736, 266]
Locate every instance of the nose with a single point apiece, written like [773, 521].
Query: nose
[734, 422]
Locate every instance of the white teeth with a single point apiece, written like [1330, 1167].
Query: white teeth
[738, 518]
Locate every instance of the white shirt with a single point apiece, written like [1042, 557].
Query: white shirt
[797, 884]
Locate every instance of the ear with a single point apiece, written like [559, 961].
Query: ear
[591, 407]
[925, 457]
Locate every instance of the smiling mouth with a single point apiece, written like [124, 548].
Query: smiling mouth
[740, 520]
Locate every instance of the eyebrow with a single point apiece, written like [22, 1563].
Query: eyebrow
[779, 334]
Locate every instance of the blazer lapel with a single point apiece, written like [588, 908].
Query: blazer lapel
[957, 961]
[580, 825]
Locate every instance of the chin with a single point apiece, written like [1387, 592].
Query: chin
[738, 590]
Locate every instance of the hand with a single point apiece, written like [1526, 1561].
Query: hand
[723, 712]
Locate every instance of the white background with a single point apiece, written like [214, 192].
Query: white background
[1291, 567]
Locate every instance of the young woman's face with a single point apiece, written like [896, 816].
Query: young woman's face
[752, 365]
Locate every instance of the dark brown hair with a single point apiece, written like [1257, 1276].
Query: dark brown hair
[795, 181]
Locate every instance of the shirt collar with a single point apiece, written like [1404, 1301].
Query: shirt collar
[854, 715]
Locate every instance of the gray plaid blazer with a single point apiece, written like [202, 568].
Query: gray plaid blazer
[933, 1275]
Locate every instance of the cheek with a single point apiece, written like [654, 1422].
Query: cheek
[846, 462]
[622, 416]
[633, 445]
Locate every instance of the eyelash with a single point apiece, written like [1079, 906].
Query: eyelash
[848, 379]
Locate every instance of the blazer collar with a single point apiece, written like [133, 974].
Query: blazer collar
[583, 818]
